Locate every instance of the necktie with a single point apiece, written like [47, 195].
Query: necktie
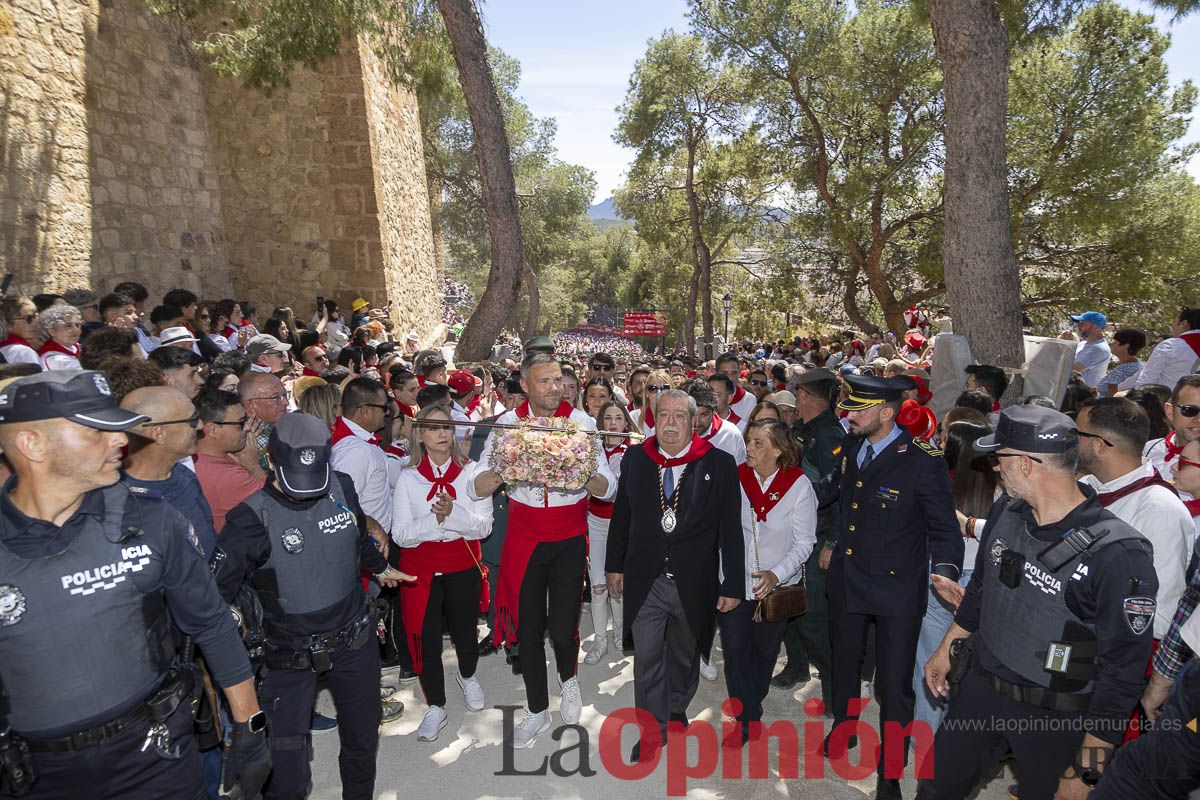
[668, 481]
[868, 457]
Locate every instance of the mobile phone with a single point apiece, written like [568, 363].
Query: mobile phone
[8, 276]
[320, 304]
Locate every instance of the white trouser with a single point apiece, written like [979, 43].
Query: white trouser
[597, 542]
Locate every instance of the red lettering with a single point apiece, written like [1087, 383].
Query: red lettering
[678, 769]
[610, 744]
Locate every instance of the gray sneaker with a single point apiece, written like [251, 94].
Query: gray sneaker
[570, 704]
[392, 711]
[529, 729]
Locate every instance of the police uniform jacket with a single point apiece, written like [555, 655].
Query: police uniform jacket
[494, 543]
[821, 440]
[898, 525]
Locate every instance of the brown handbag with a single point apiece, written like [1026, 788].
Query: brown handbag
[782, 602]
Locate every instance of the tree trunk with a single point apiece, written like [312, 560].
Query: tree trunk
[497, 187]
[701, 257]
[535, 306]
[982, 279]
[689, 325]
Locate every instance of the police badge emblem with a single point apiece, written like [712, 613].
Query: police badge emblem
[998, 547]
[1139, 613]
[293, 540]
[308, 456]
[101, 384]
[12, 605]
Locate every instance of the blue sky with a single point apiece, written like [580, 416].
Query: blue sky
[576, 57]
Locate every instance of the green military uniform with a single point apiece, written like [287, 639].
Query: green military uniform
[491, 546]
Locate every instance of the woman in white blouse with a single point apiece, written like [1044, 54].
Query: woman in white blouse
[438, 527]
[60, 327]
[779, 523]
[611, 416]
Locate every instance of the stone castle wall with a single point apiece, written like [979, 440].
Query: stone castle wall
[125, 157]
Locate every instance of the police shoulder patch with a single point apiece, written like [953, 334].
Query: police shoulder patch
[928, 447]
[1139, 613]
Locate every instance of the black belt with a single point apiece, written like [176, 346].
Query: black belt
[295, 653]
[160, 705]
[1037, 696]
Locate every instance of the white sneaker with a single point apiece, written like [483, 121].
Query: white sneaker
[431, 724]
[708, 671]
[596, 651]
[570, 703]
[529, 728]
[473, 692]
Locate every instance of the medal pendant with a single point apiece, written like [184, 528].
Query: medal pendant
[668, 520]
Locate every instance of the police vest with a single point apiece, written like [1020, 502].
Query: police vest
[1029, 627]
[78, 638]
[314, 561]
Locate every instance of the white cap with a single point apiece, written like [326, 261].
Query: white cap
[783, 398]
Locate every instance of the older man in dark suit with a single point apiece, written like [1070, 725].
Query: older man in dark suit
[676, 520]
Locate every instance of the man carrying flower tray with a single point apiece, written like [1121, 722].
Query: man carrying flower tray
[550, 476]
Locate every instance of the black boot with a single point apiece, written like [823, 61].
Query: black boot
[887, 789]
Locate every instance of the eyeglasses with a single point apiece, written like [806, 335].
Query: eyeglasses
[192, 421]
[29, 318]
[1188, 411]
[384, 406]
[758, 383]
[658, 387]
[1087, 435]
[69, 325]
[275, 398]
[241, 423]
[321, 358]
[994, 458]
[89, 305]
[602, 367]
[205, 316]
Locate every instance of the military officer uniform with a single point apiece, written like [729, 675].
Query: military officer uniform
[897, 526]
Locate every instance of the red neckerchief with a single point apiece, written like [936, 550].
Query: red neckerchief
[396, 448]
[733, 417]
[648, 416]
[1192, 340]
[631, 408]
[1173, 449]
[698, 449]
[228, 331]
[608, 454]
[564, 409]
[474, 404]
[52, 346]
[712, 431]
[341, 430]
[1108, 498]
[421, 381]
[14, 339]
[443, 484]
[762, 502]
[406, 411]
[1193, 507]
[309, 373]
[738, 394]
[779, 387]
[995, 405]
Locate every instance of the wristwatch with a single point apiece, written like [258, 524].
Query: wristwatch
[1089, 776]
[256, 724]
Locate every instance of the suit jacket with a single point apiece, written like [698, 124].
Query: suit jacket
[897, 525]
[707, 536]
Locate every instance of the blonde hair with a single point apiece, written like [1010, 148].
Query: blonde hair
[416, 448]
[657, 377]
[322, 402]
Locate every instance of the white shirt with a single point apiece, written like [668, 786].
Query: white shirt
[533, 495]
[413, 522]
[20, 354]
[1160, 516]
[366, 465]
[743, 408]
[786, 537]
[728, 438]
[53, 360]
[459, 414]
[396, 463]
[221, 341]
[1170, 361]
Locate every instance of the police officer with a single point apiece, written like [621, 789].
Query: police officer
[820, 436]
[86, 566]
[302, 541]
[1059, 611]
[898, 533]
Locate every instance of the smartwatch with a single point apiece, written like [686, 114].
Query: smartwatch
[256, 724]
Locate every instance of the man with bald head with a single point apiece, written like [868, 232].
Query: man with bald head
[155, 449]
[86, 562]
[265, 400]
[315, 360]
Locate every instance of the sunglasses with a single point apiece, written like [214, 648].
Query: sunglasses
[1188, 411]
[321, 358]
[1087, 435]
[758, 383]
[241, 423]
[602, 368]
[192, 421]
[657, 387]
[205, 316]
[993, 459]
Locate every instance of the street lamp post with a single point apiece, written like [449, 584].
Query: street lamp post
[727, 302]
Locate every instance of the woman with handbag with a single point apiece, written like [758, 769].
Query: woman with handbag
[438, 527]
[779, 523]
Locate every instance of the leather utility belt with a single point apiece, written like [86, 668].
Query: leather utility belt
[1038, 696]
[317, 651]
[161, 705]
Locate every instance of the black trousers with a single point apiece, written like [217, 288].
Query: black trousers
[666, 663]
[895, 654]
[1163, 762]
[807, 637]
[454, 603]
[555, 571]
[750, 651]
[980, 729]
[288, 696]
[119, 770]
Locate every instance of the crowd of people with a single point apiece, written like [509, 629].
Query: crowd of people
[330, 482]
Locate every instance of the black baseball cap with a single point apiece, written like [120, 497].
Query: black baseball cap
[300, 447]
[1031, 429]
[78, 395]
[867, 391]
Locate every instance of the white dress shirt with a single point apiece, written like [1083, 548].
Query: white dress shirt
[413, 522]
[728, 438]
[743, 408]
[786, 537]
[366, 465]
[1160, 516]
[20, 354]
[532, 495]
[1171, 360]
[459, 414]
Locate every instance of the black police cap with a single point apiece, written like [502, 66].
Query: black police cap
[1031, 429]
[81, 396]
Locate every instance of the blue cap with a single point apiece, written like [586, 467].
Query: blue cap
[1094, 317]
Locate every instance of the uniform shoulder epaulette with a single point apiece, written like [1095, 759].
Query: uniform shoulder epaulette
[928, 447]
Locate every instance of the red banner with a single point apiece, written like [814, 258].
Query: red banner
[644, 323]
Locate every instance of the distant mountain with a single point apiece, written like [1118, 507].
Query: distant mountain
[603, 210]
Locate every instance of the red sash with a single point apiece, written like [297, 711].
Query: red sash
[762, 502]
[603, 508]
[648, 416]
[1108, 498]
[712, 431]
[528, 526]
[738, 394]
[54, 347]
[733, 417]
[564, 409]
[341, 430]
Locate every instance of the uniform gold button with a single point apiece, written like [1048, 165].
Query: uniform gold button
[858, 484]
[854, 505]
[891, 572]
[851, 528]
[849, 551]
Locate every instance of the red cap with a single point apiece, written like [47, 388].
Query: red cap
[914, 340]
[462, 381]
